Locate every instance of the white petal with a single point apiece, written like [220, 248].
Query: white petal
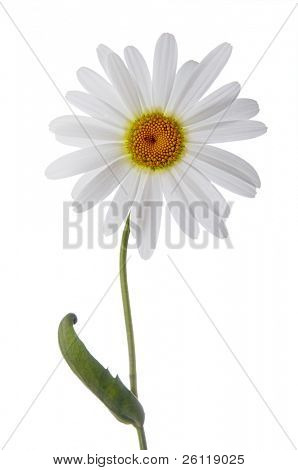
[211, 66]
[204, 76]
[149, 216]
[164, 69]
[85, 127]
[243, 108]
[76, 141]
[185, 78]
[99, 87]
[203, 214]
[92, 188]
[139, 70]
[123, 199]
[82, 182]
[122, 81]
[225, 179]
[212, 104]
[103, 52]
[96, 108]
[178, 205]
[225, 161]
[226, 131]
[154, 222]
[202, 188]
[240, 110]
[83, 160]
[135, 212]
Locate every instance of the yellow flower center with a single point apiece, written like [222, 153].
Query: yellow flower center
[155, 141]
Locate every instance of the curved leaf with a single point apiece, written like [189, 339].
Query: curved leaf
[110, 390]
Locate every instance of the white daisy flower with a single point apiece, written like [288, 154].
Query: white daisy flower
[149, 136]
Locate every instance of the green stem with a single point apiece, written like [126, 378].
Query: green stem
[129, 325]
[142, 438]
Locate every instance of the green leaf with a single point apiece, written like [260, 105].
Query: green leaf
[110, 390]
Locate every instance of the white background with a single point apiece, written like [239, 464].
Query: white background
[196, 397]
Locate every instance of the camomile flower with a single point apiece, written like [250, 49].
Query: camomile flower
[148, 136]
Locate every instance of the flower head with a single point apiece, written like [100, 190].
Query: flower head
[149, 136]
